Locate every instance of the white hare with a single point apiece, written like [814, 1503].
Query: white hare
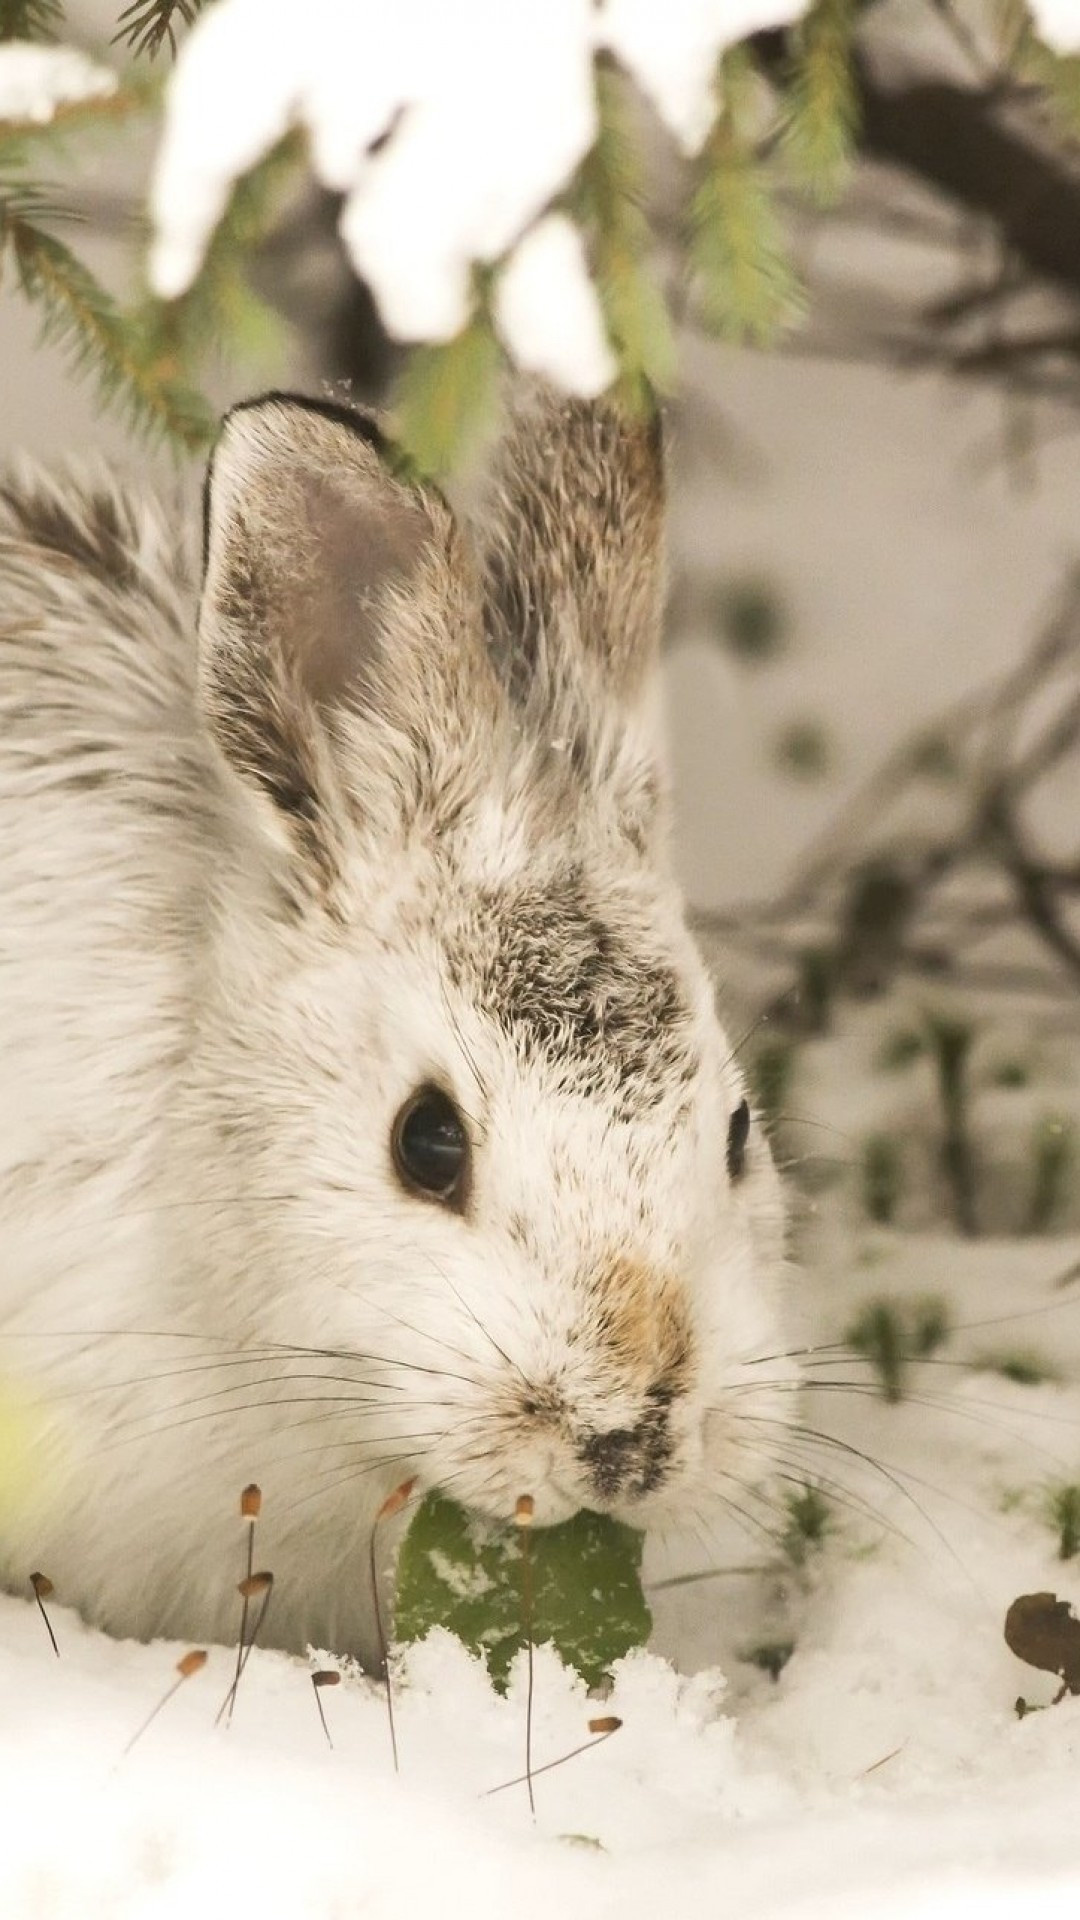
[363, 1110]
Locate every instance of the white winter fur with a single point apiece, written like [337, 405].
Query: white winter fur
[209, 1273]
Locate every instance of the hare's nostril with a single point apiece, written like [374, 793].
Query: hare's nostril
[628, 1460]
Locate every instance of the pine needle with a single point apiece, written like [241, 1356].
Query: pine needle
[822, 103]
[30, 19]
[737, 250]
[608, 201]
[147, 25]
[447, 397]
[220, 313]
[19, 139]
[80, 318]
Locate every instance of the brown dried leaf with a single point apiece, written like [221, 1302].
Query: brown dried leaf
[1044, 1631]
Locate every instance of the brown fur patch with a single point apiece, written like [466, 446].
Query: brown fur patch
[645, 1323]
[578, 545]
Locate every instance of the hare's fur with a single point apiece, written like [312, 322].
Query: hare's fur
[398, 818]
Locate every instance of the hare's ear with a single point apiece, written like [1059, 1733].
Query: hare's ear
[575, 575]
[336, 602]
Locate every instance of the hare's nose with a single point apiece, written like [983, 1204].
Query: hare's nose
[629, 1461]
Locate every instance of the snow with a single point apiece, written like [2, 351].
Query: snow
[547, 312]
[885, 1768]
[450, 130]
[1058, 23]
[35, 81]
[672, 51]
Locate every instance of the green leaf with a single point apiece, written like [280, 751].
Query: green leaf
[464, 1573]
[446, 398]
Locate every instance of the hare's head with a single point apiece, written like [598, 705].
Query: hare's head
[457, 1037]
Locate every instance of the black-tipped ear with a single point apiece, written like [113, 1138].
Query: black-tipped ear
[316, 554]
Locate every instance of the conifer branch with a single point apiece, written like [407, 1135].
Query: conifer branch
[220, 312]
[822, 99]
[30, 19]
[737, 251]
[147, 25]
[80, 317]
[447, 396]
[608, 201]
[72, 117]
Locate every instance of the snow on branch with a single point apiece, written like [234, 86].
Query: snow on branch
[35, 81]
[450, 130]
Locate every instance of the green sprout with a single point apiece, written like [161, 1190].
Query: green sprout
[772, 1072]
[882, 1178]
[1063, 1513]
[809, 1521]
[803, 749]
[817, 981]
[771, 1656]
[752, 620]
[1011, 1073]
[1024, 1369]
[950, 1043]
[891, 1337]
[1053, 1154]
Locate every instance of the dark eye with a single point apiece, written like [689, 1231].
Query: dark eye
[431, 1147]
[738, 1133]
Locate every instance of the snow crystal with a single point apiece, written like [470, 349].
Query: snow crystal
[448, 129]
[35, 81]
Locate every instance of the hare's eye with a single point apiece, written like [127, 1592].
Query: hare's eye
[738, 1133]
[431, 1147]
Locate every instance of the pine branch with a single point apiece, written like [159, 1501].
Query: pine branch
[146, 25]
[30, 19]
[737, 250]
[220, 312]
[447, 397]
[19, 137]
[80, 317]
[607, 200]
[822, 101]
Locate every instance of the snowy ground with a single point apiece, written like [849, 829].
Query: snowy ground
[885, 1765]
